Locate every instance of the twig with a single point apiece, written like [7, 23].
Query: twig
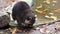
[49, 23]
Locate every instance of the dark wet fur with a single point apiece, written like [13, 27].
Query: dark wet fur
[21, 12]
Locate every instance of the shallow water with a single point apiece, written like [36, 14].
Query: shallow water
[42, 18]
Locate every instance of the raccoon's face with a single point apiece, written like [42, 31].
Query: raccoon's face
[29, 21]
[29, 17]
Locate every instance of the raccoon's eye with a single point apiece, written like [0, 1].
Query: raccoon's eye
[29, 18]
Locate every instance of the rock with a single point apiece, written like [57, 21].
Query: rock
[4, 19]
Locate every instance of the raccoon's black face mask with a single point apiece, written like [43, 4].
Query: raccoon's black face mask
[29, 21]
[29, 18]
